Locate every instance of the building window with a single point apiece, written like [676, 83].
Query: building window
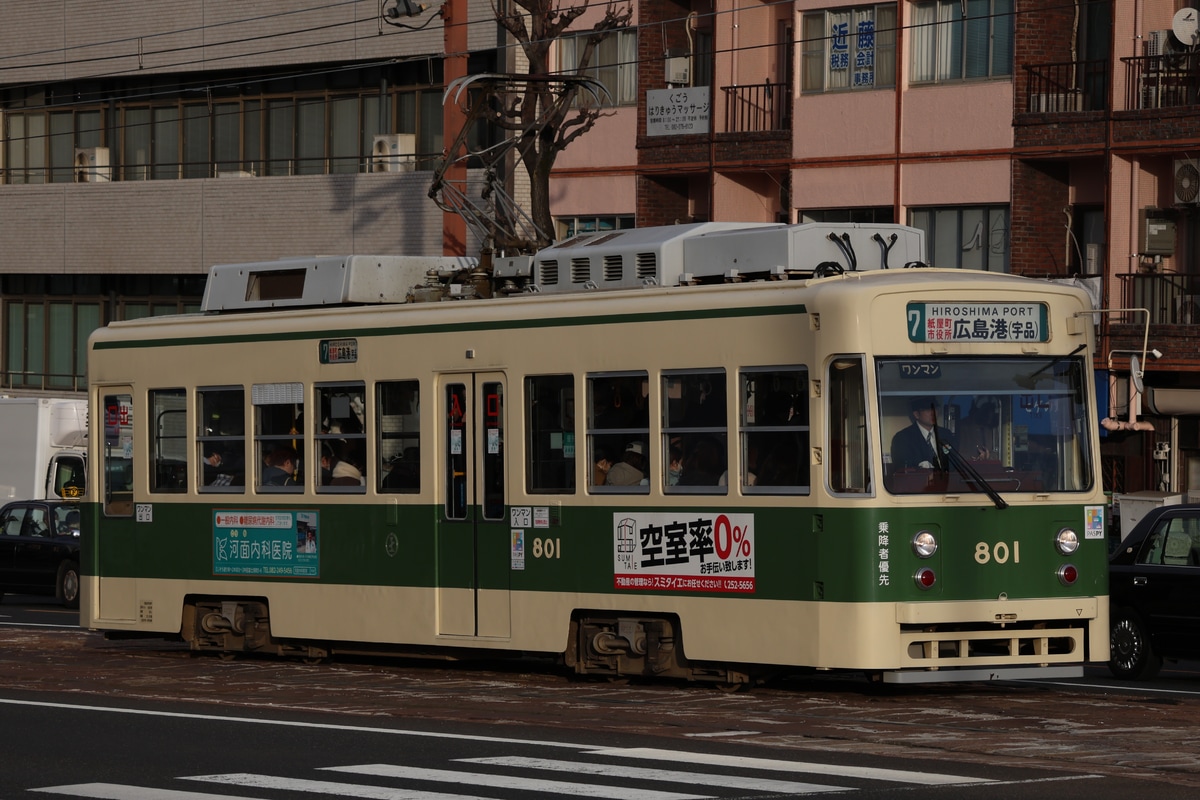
[965, 238]
[850, 48]
[570, 226]
[947, 46]
[613, 63]
[316, 127]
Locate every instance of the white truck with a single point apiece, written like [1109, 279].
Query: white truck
[43, 448]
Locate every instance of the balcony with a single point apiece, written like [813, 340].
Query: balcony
[759, 107]
[1171, 80]
[1172, 298]
[1067, 86]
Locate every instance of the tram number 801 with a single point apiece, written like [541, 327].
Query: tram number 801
[1000, 552]
[547, 548]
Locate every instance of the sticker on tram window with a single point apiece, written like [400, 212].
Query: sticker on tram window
[338, 351]
[977, 322]
[688, 552]
[269, 543]
[920, 369]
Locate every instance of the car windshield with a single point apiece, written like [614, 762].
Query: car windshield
[993, 425]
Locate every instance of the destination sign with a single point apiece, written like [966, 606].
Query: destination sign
[338, 351]
[977, 322]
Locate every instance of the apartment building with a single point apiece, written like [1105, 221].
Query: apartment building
[1052, 140]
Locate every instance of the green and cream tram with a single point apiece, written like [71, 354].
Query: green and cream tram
[684, 452]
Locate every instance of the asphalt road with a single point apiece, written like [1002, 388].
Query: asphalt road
[1096, 738]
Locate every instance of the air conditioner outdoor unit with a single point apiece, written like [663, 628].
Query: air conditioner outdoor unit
[91, 165]
[679, 70]
[1159, 43]
[1186, 181]
[394, 152]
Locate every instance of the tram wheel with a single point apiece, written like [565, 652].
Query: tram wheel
[1130, 656]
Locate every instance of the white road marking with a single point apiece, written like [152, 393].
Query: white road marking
[247, 780]
[645, 774]
[116, 791]
[512, 782]
[780, 765]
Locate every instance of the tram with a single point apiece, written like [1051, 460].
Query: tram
[684, 452]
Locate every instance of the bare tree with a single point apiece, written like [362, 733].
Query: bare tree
[536, 110]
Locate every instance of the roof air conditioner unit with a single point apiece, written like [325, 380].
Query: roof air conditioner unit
[679, 70]
[394, 152]
[91, 165]
[1187, 181]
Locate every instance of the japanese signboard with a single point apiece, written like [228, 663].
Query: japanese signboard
[270, 543]
[673, 112]
[684, 551]
[977, 322]
[338, 351]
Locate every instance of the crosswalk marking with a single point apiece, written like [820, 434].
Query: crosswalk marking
[356, 790]
[620, 773]
[779, 765]
[512, 782]
[642, 773]
[118, 791]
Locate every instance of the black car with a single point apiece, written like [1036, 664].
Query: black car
[1154, 591]
[39, 549]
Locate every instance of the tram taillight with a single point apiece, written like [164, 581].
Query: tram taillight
[1067, 574]
[925, 578]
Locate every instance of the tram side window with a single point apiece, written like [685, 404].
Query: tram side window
[341, 438]
[278, 436]
[550, 422]
[774, 431]
[118, 455]
[168, 440]
[619, 432]
[221, 438]
[848, 460]
[398, 436]
[695, 431]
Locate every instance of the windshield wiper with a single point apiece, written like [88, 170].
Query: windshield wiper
[969, 472]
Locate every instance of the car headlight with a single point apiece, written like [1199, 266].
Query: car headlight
[1066, 542]
[924, 544]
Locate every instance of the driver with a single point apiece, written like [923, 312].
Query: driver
[920, 444]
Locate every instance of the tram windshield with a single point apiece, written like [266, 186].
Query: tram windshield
[991, 425]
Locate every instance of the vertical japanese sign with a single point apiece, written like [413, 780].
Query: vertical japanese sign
[276, 543]
[859, 60]
[684, 552]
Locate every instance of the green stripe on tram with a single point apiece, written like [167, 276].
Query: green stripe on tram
[461, 327]
[801, 553]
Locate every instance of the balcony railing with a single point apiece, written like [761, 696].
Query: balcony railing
[760, 107]
[1067, 86]
[1166, 81]
[1172, 299]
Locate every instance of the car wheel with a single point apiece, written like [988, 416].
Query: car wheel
[1130, 655]
[67, 590]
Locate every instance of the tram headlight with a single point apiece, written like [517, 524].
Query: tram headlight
[924, 544]
[925, 579]
[1067, 574]
[1066, 542]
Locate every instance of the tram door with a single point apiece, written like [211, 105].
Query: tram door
[114, 557]
[473, 546]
